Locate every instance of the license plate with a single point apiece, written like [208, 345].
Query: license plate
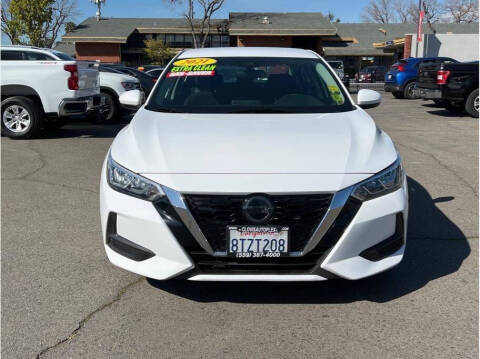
[257, 241]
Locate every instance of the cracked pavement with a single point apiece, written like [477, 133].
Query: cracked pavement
[62, 299]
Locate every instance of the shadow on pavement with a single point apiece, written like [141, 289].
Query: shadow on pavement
[444, 113]
[79, 127]
[436, 247]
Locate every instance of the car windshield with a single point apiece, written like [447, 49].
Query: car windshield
[337, 65]
[62, 56]
[248, 85]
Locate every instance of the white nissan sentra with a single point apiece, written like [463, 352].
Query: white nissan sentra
[253, 164]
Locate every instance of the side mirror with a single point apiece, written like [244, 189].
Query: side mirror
[132, 99]
[368, 98]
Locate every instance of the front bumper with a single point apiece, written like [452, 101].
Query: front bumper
[373, 232]
[391, 87]
[81, 105]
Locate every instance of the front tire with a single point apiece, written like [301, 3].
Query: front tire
[113, 108]
[21, 118]
[472, 104]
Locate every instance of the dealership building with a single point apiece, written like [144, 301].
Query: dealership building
[357, 44]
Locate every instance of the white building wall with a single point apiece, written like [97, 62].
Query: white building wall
[462, 47]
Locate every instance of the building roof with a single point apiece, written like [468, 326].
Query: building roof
[248, 52]
[275, 23]
[361, 37]
[117, 30]
[65, 47]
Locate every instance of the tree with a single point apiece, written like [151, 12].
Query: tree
[381, 11]
[70, 26]
[158, 52]
[403, 11]
[433, 11]
[10, 24]
[200, 27]
[35, 22]
[331, 17]
[387, 11]
[459, 11]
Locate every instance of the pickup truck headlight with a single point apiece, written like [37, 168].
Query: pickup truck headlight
[130, 85]
[386, 181]
[127, 182]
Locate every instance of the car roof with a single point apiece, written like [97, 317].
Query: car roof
[248, 52]
[25, 47]
[425, 58]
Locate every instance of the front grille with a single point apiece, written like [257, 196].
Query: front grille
[206, 263]
[301, 213]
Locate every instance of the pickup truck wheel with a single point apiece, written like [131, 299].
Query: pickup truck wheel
[455, 106]
[21, 117]
[471, 106]
[112, 107]
[409, 91]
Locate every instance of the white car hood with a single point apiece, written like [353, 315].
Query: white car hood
[334, 143]
[108, 77]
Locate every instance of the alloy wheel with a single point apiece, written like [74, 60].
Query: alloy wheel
[16, 118]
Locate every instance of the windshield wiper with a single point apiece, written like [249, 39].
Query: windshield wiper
[260, 110]
[162, 109]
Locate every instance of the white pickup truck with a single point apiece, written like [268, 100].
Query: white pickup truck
[39, 87]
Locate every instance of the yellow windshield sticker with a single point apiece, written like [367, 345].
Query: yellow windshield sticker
[195, 61]
[193, 67]
[336, 94]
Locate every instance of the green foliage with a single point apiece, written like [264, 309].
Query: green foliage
[29, 18]
[70, 26]
[158, 52]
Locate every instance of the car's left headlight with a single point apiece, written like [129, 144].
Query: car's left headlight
[386, 181]
[128, 182]
[128, 86]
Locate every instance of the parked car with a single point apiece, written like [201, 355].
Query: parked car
[148, 67]
[401, 78]
[41, 87]
[112, 84]
[337, 66]
[453, 85]
[146, 81]
[374, 73]
[244, 176]
[155, 73]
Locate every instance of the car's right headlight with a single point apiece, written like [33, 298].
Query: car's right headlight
[130, 183]
[386, 181]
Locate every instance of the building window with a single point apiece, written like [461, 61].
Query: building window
[170, 39]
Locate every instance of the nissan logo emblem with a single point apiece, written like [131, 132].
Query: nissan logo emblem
[257, 209]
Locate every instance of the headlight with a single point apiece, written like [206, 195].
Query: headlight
[125, 181]
[130, 85]
[386, 181]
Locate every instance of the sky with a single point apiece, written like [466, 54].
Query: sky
[346, 10]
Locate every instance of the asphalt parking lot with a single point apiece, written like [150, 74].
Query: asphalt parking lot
[62, 299]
